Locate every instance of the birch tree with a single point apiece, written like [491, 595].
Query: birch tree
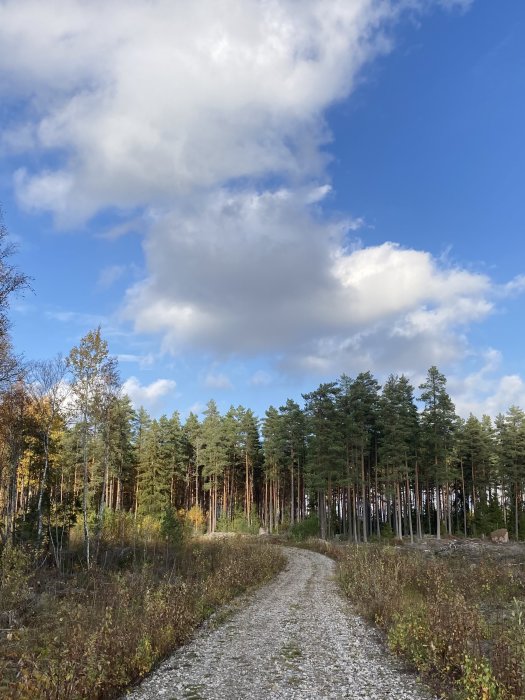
[94, 377]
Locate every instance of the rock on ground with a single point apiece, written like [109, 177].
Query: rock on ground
[296, 638]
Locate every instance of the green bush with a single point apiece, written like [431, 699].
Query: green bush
[477, 681]
[172, 526]
[509, 651]
[386, 531]
[302, 530]
[239, 523]
[488, 517]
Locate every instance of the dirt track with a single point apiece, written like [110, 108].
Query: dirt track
[295, 638]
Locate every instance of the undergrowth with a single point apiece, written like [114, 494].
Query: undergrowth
[460, 623]
[89, 634]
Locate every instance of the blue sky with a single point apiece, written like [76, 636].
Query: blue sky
[254, 197]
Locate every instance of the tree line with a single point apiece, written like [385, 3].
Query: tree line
[355, 460]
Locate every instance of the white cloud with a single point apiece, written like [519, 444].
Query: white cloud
[487, 391]
[196, 408]
[147, 395]
[189, 110]
[84, 322]
[217, 380]
[514, 287]
[247, 273]
[77, 318]
[146, 101]
[142, 360]
[124, 229]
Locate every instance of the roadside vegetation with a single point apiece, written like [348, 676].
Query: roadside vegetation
[455, 614]
[76, 633]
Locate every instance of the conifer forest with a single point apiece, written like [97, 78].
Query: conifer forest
[355, 460]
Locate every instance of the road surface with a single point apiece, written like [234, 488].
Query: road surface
[296, 639]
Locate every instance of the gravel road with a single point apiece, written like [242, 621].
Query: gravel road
[296, 638]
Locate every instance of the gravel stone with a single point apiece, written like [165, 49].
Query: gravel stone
[296, 639]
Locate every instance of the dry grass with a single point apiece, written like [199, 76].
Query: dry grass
[459, 622]
[91, 634]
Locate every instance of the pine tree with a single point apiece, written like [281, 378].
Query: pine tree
[511, 458]
[250, 450]
[293, 427]
[214, 459]
[172, 457]
[122, 455]
[399, 434]
[154, 474]
[476, 462]
[325, 447]
[141, 426]
[273, 450]
[363, 395]
[192, 449]
[438, 421]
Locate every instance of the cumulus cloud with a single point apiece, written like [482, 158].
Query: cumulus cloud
[147, 395]
[145, 101]
[487, 391]
[189, 111]
[248, 273]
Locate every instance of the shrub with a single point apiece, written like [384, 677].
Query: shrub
[239, 523]
[477, 681]
[460, 622]
[386, 531]
[509, 651]
[106, 629]
[172, 526]
[302, 530]
[196, 517]
[15, 574]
